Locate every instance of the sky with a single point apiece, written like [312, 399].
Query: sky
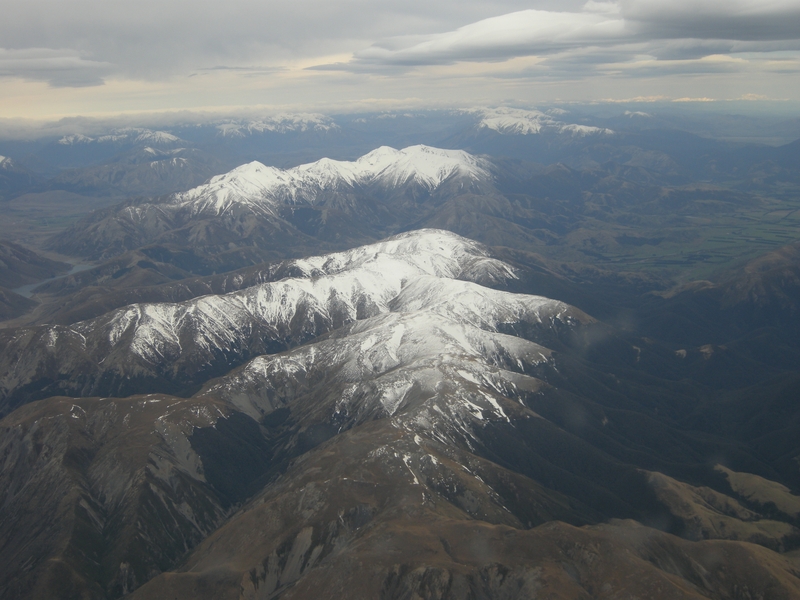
[98, 57]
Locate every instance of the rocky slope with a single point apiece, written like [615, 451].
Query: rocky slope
[395, 457]
[20, 266]
[142, 171]
[100, 495]
[15, 178]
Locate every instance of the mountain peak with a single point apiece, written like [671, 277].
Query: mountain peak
[156, 137]
[281, 123]
[246, 183]
[256, 184]
[135, 135]
[518, 121]
[76, 138]
[424, 164]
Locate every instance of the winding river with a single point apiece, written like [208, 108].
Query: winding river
[26, 291]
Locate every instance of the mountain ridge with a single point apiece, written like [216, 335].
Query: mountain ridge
[211, 332]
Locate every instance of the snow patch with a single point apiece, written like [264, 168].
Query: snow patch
[516, 121]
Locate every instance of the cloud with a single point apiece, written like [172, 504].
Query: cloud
[746, 20]
[517, 34]
[155, 40]
[203, 54]
[60, 68]
[243, 71]
[662, 30]
[635, 100]
[705, 65]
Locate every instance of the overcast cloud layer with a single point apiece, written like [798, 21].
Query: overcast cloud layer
[145, 54]
[661, 29]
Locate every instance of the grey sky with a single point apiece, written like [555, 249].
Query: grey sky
[171, 54]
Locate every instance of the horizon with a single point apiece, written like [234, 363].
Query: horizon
[677, 112]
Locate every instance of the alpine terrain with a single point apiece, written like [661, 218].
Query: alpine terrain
[464, 371]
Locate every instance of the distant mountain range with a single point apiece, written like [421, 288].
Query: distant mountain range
[112, 162]
[511, 121]
[283, 123]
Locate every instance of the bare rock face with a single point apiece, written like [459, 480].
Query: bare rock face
[100, 495]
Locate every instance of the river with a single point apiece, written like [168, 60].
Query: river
[26, 291]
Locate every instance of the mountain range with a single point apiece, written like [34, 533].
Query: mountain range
[439, 400]
[426, 372]
[115, 161]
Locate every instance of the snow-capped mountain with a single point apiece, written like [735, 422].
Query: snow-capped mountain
[162, 153]
[267, 208]
[516, 121]
[409, 338]
[281, 123]
[130, 135]
[265, 187]
[394, 363]
[425, 271]
[429, 413]
[74, 139]
[9, 165]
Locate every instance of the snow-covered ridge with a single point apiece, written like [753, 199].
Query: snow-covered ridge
[155, 152]
[282, 123]
[75, 139]
[412, 300]
[168, 162]
[255, 183]
[342, 285]
[637, 113]
[363, 281]
[8, 164]
[134, 135]
[384, 361]
[442, 356]
[429, 251]
[517, 121]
